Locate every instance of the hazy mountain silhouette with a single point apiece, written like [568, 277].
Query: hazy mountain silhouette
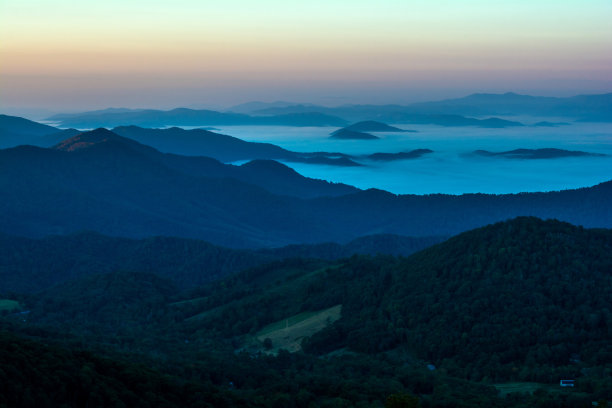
[360, 130]
[452, 112]
[15, 124]
[545, 153]
[190, 117]
[549, 124]
[413, 154]
[62, 116]
[373, 126]
[352, 135]
[203, 143]
[300, 119]
[103, 182]
[251, 107]
[272, 176]
[224, 148]
[395, 114]
[584, 107]
[17, 131]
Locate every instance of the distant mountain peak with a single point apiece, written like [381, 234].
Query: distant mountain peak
[270, 165]
[352, 134]
[372, 126]
[19, 125]
[100, 136]
[488, 96]
[253, 106]
[86, 139]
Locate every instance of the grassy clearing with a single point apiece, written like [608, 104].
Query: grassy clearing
[7, 304]
[288, 333]
[286, 323]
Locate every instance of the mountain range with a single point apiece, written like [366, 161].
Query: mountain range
[15, 131]
[473, 110]
[373, 126]
[189, 117]
[453, 112]
[284, 116]
[594, 108]
[103, 182]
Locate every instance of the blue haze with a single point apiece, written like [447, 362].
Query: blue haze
[452, 169]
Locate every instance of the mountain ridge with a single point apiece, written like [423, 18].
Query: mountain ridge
[374, 126]
[192, 117]
[140, 192]
[460, 111]
[32, 265]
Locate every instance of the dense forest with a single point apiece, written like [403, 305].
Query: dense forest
[32, 265]
[516, 305]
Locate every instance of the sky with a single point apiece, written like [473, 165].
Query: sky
[64, 55]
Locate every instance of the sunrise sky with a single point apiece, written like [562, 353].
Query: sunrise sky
[71, 55]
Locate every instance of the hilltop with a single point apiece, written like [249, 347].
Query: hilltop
[16, 131]
[373, 126]
[347, 134]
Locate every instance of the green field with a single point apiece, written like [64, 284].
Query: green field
[7, 304]
[288, 333]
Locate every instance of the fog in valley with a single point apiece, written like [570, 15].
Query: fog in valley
[453, 168]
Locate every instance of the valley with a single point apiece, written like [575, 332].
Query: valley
[153, 263]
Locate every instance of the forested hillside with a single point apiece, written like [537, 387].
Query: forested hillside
[514, 301]
[32, 265]
[518, 302]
